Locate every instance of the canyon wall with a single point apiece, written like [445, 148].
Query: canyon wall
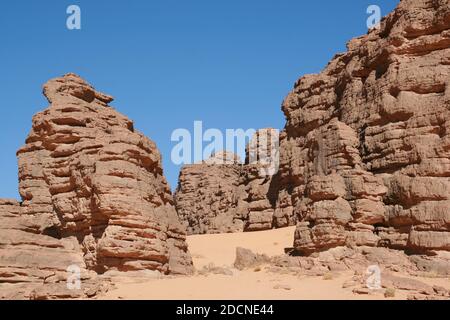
[223, 195]
[364, 158]
[365, 154]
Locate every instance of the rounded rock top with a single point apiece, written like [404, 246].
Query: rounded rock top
[72, 86]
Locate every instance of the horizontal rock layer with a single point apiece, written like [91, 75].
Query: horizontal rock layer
[228, 196]
[93, 195]
[365, 154]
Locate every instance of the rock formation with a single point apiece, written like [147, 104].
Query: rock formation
[365, 154]
[223, 195]
[397, 271]
[364, 163]
[208, 196]
[262, 164]
[93, 195]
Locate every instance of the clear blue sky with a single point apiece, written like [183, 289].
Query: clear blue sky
[168, 63]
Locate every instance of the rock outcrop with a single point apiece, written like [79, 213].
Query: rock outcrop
[93, 195]
[396, 270]
[364, 158]
[34, 265]
[363, 169]
[261, 185]
[222, 195]
[365, 154]
[208, 197]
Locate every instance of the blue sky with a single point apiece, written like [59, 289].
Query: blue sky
[168, 63]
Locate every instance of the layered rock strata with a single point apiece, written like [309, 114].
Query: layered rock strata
[208, 198]
[220, 195]
[365, 154]
[93, 195]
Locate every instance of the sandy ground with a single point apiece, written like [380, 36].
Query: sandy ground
[243, 285]
[220, 249]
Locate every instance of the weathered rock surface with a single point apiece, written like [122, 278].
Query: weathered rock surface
[365, 154]
[93, 195]
[364, 168]
[208, 198]
[397, 271]
[223, 195]
[33, 265]
[245, 258]
[262, 164]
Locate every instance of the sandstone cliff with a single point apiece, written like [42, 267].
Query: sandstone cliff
[364, 161]
[229, 196]
[93, 195]
[207, 198]
[365, 154]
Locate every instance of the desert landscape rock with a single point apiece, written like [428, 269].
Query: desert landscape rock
[222, 195]
[245, 258]
[208, 197]
[363, 173]
[365, 153]
[250, 265]
[364, 161]
[364, 158]
[93, 195]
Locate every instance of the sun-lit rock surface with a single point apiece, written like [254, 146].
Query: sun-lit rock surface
[366, 147]
[93, 195]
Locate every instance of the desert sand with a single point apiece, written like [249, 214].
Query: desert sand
[220, 250]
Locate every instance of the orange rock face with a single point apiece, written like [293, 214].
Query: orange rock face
[365, 154]
[208, 198]
[364, 161]
[228, 196]
[93, 194]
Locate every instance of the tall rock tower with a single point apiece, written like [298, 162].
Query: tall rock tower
[365, 154]
[87, 177]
